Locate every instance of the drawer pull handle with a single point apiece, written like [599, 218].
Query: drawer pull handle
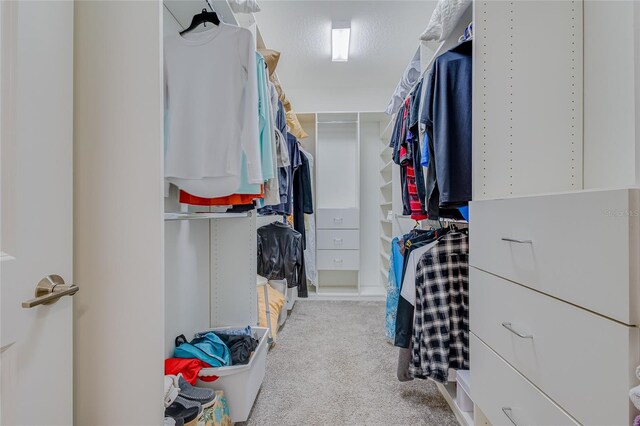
[337, 220]
[509, 327]
[509, 413]
[337, 241]
[513, 240]
[337, 260]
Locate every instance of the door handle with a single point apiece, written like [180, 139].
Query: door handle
[509, 327]
[513, 240]
[49, 290]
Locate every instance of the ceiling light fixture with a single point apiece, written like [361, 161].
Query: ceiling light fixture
[340, 35]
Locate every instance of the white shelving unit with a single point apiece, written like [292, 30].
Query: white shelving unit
[338, 211]
[210, 257]
[203, 272]
[348, 157]
[205, 276]
[429, 51]
[386, 168]
[386, 201]
[448, 391]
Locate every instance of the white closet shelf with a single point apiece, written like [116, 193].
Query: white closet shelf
[374, 292]
[386, 185]
[385, 238]
[386, 133]
[203, 215]
[448, 391]
[386, 257]
[385, 221]
[387, 204]
[386, 167]
[338, 122]
[384, 272]
[5, 257]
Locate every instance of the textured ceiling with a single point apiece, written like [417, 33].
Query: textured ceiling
[384, 37]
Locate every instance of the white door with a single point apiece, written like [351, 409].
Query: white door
[36, 151]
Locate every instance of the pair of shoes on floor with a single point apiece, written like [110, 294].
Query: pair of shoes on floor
[184, 402]
[170, 421]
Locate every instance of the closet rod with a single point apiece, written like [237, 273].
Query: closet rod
[203, 215]
[207, 3]
[337, 122]
[404, 216]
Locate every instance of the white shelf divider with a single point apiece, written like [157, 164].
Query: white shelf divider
[448, 391]
[386, 185]
[384, 272]
[386, 167]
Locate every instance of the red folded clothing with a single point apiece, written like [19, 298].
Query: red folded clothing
[188, 367]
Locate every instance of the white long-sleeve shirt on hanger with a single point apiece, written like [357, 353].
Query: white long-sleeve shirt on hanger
[211, 102]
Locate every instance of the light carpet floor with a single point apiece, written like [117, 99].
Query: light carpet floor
[332, 366]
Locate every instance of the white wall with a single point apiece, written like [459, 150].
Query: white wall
[337, 159]
[187, 277]
[311, 99]
[369, 204]
[118, 222]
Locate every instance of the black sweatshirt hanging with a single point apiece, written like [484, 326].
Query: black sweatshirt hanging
[302, 197]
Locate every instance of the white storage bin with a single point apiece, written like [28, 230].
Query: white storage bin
[240, 383]
[292, 296]
[463, 390]
[291, 293]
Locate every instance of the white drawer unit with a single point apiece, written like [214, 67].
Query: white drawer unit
[336, 260]
[338, 218]
[506, 397]
[576, 357]
[581, 247]
[338, 239]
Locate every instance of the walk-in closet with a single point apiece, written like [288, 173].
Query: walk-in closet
[322, 212]
[429, 226]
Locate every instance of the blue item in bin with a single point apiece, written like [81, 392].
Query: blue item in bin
[208, 348]
[464, 211]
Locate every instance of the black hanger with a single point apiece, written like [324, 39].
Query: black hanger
[202, 18]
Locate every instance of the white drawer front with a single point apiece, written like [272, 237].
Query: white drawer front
[561, 344]
[500, 391]
[576, 247]
[335, 260]
[338, 239]
[338, 218]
